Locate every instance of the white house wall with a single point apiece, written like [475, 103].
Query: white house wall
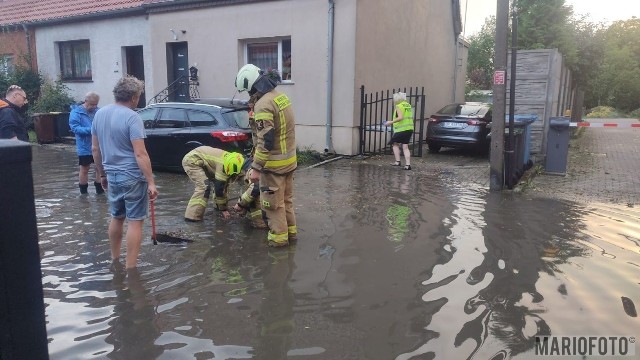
[216, 37]
[107, 39]
[408, 43]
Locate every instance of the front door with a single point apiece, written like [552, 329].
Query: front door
[135, 67]
[178, 71]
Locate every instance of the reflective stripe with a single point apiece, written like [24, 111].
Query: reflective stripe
[279, 163]
[264, 116]
[246, 198]
[221, 201]
[256, 214]
[293, 229]
[278, 238]
[283, 133]
[202, 202]
[261, 155]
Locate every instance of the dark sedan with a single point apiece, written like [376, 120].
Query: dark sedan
[174, 129]
[460, 126]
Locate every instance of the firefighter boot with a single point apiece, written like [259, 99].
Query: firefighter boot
[293, 234]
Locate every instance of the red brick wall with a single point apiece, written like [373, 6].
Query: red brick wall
[14, 41]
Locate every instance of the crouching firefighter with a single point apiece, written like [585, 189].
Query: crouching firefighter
[274, 159]
[206, 163]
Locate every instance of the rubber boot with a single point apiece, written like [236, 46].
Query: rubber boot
[83, 188]
[99, 189]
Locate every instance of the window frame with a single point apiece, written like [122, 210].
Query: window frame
[7, 64]
[73, 44]
[279, 40]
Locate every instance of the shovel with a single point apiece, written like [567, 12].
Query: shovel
[163, 238]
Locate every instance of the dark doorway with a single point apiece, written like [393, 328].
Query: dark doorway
[135, 67]
[178, 71]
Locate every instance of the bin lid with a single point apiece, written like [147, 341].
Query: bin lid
[559, 123]
[522, 118]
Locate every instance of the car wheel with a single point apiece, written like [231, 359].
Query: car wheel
[434, 148]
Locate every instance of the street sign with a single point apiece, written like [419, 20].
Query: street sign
[498, 77]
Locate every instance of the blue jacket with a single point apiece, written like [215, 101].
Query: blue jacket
[80, 123]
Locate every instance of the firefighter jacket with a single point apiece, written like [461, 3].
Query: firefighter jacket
[211, 161]
[276, 139]
[406, 124]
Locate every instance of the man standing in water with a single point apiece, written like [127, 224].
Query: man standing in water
[121, 156]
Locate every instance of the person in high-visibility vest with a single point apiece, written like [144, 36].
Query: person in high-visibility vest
[275, 157]
[402, 129]
[207, 163]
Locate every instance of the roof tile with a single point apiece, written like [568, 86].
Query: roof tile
[30, 11]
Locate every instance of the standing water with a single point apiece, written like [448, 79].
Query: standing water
[390, 265]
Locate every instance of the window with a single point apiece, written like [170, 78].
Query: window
[6, 64]
[147, 116]
[199, 118]
[271, 54]
[75, 60]
[172, 118]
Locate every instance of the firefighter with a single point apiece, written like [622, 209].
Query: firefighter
[249, 202]
[275, 159]
[207, 163]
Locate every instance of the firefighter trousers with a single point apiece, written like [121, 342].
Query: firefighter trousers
[276, 195]
[198, 202]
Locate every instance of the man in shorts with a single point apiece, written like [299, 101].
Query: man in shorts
[121, 156]
[80, 121]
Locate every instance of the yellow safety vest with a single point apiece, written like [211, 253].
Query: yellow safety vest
[406, 123]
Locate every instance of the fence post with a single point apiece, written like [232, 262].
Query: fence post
[23, 334]
[362, 116]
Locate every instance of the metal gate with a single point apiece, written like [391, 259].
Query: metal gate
[376, 108]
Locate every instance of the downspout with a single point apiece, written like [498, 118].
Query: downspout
[28, 38]
[455, 73]
[329, 123]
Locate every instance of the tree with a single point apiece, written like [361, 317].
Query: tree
[546, 24]
[617, 81]
[480, 59]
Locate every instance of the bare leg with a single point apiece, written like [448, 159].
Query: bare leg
[407, 154]
[97, 174]
[115, 237]
[83, 175]
[396, 152]
[134, 240]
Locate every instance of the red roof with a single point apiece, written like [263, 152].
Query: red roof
[30, 11]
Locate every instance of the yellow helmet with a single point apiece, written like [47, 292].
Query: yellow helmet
[232, 163]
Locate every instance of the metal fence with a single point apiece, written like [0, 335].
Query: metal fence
[378, 107]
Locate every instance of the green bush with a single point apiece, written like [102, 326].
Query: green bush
[635, 114]
[29, 80]
[54, 97]
[603, 112]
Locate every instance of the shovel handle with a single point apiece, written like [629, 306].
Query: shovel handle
[153, 222]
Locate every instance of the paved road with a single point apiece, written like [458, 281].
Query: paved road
[603, 166]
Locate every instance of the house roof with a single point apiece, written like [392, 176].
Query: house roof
[44, 11]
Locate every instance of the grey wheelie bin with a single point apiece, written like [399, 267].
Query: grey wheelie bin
[557, 146]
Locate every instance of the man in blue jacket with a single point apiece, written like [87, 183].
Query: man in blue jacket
[80, 121]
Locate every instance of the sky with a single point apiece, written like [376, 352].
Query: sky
[598, 10]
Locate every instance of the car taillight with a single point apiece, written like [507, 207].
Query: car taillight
[230, 136]
[432, 119]
[476, 122]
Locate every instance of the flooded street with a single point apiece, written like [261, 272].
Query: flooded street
[390, 264]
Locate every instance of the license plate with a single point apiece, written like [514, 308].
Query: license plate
[453, 125]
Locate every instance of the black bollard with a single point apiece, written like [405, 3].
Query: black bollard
[23, 333]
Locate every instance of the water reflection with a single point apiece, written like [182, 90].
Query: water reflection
[390, 264]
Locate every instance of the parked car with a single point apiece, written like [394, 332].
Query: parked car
[173, 129]
[460, 126]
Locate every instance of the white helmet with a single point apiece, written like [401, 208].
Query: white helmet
[247, 76]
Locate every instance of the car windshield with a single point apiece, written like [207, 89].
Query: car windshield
[237, 117]
[464, 110]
